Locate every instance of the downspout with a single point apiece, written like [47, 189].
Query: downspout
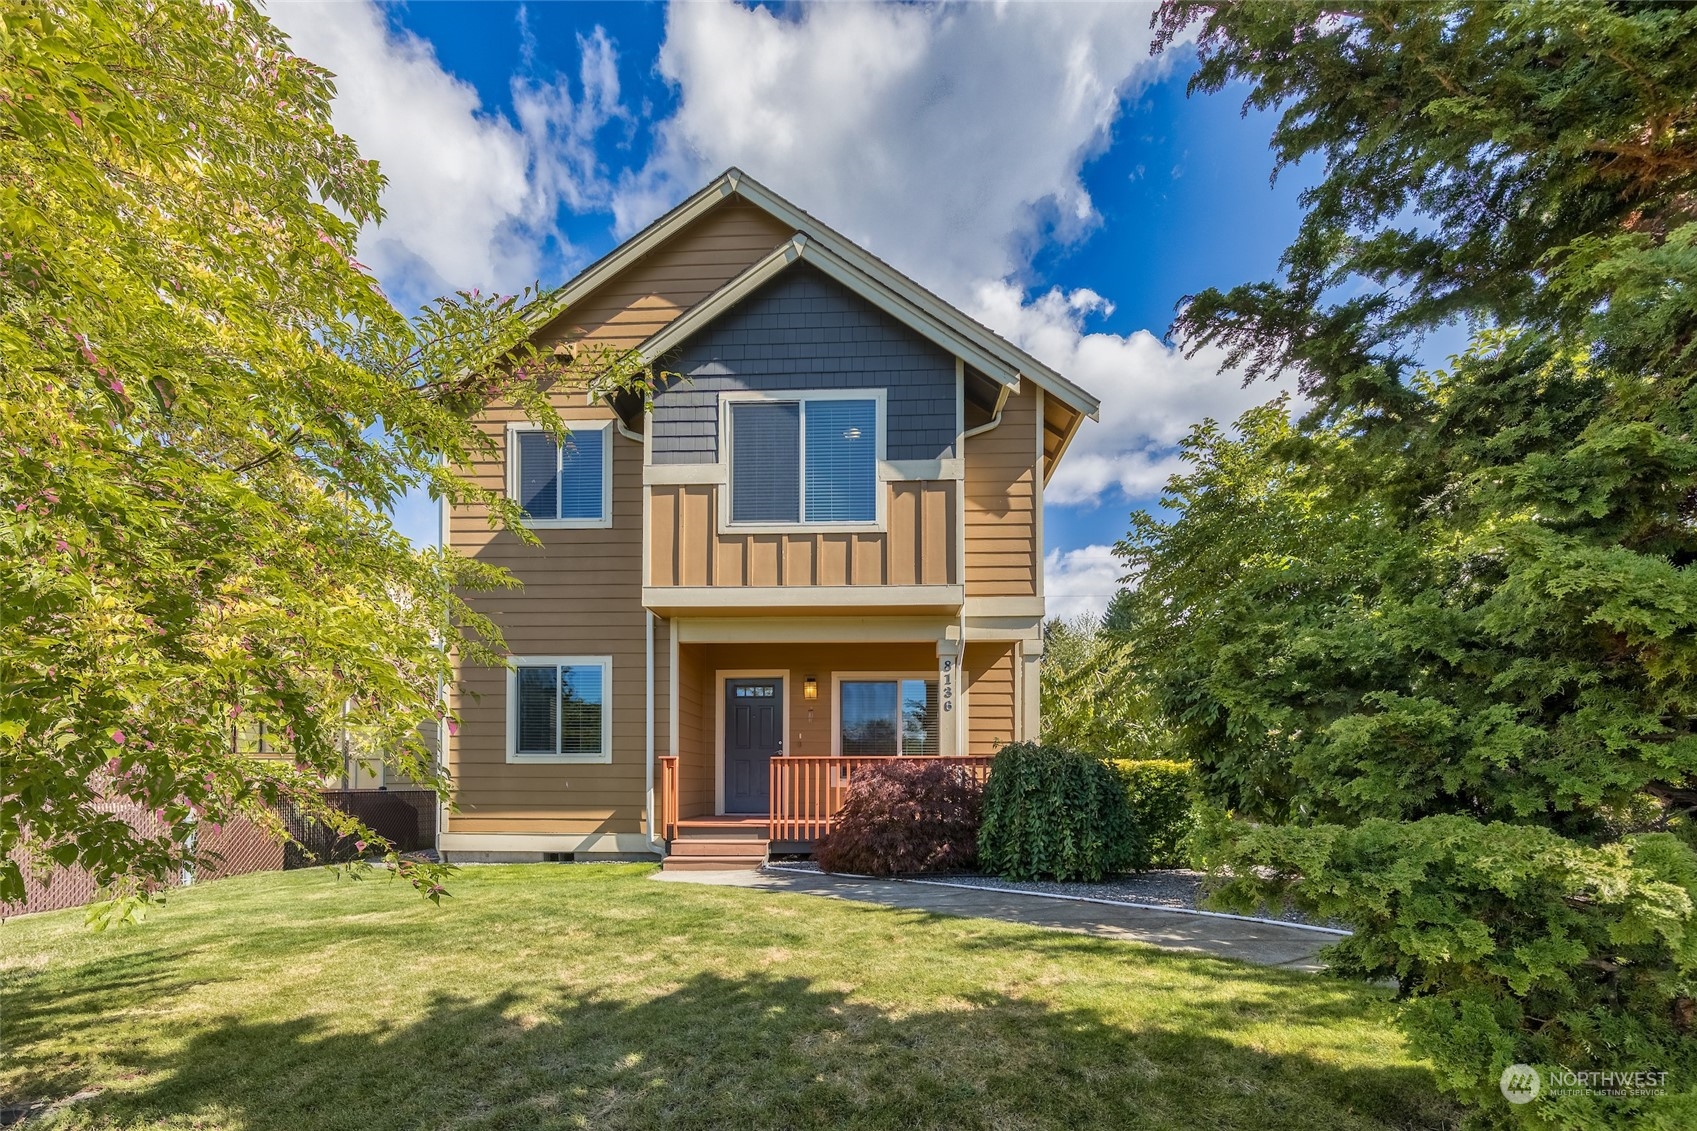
[442, 731]
[995, 419]
[648, 703]
[963, 732]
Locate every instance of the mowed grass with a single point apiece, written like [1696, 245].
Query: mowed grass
[591, 996]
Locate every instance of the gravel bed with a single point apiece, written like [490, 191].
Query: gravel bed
[1176, 888]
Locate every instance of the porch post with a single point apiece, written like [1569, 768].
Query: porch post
[949, 727]
[1031, 688]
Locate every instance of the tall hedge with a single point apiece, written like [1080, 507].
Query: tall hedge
[1053, 813]
[1162, 796]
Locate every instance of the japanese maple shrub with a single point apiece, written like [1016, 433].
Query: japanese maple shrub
[906, 816]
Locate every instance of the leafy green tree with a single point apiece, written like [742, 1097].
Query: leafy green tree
[1091, 696]
[208, 408]
[1435, 643]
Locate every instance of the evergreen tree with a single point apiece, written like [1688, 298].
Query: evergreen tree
[1435, 643]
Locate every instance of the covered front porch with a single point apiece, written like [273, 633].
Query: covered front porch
[768, 735]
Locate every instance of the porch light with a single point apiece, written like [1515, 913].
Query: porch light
[810, 688]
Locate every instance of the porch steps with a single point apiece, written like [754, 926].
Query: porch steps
[717, 846]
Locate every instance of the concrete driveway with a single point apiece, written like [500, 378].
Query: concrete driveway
[1264, 943]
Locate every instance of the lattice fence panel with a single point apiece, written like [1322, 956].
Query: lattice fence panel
[405, 816]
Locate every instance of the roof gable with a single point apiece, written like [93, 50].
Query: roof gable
[799, 236]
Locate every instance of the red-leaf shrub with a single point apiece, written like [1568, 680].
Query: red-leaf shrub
[913, 815]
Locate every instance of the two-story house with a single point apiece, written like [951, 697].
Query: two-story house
[824, 543]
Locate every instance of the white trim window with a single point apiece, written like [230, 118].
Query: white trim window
[803, 460]
[562, 485]
[560, 709]
[887, 715]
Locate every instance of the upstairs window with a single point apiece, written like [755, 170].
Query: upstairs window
[888, 717]
[809, 460]
[559, 709]
[564, 484]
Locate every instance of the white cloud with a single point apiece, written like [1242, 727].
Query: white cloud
[473, 197]
[945, 138]
[1151, 393]
[1081, 581]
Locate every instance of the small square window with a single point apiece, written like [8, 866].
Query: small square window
[568, 483]
[560, 709]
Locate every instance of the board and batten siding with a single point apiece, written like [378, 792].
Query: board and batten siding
[582, 595]
[695, 741]
[1002, 551]
[917, 548]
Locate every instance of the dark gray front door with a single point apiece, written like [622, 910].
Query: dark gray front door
[754, 733]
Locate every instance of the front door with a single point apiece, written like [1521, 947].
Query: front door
[754, 733]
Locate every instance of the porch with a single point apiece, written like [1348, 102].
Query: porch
[767, 734]
[804, 796]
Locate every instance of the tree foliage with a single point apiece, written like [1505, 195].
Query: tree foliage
[1448, 618]
[208, 409]
[1091, 696]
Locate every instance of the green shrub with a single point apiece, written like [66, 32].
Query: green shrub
[1052, 813]
[1511, 944]
[1162, 795]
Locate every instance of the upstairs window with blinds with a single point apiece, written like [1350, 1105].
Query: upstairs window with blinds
[565, 484]
[559, 709]
[807, 460]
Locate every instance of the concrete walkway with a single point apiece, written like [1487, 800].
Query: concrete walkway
[1266, 944]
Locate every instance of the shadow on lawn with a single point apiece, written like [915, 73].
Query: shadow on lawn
[757, 1052]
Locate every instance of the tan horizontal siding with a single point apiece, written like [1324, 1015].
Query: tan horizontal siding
[989, 696]
[917, 548]
[1000, 502]
[648, 295]
[582, 595]
[695, 743]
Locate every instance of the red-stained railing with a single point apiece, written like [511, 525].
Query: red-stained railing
[668, 800]
[807, 792]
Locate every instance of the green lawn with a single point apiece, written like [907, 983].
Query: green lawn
[590, 996]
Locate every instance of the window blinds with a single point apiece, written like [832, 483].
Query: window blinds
[842, 461]
[813, 460]
[562, 481]
[539, 484]
[581, 460]
[766, 462]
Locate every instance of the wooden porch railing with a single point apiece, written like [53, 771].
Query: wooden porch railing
[668, 801]
[808, 792]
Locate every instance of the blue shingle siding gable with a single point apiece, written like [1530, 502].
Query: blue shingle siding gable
[804, 331]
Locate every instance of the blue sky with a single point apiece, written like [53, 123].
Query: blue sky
[1029, 162]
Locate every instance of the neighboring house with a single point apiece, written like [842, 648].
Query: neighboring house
[824, 542]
